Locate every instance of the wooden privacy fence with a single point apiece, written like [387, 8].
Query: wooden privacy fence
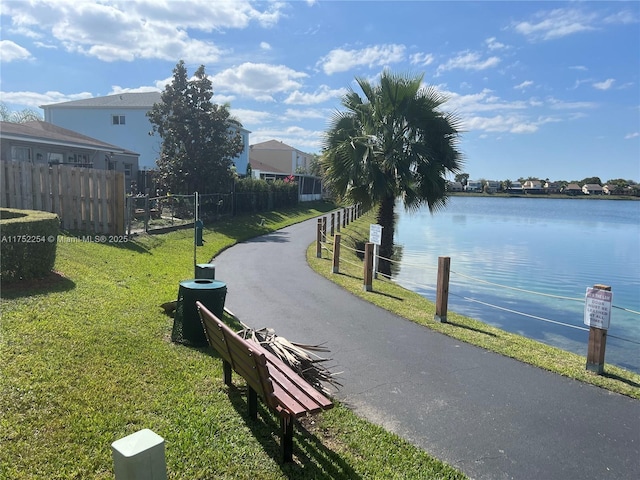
[85, 199]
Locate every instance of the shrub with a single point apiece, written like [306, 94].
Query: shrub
[28, 248]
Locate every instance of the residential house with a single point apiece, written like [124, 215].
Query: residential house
[592, 189]
[492, 186]
[552, 187]
[309, 186]
[281, 157]
[532, 187]
[515, 187]
[572, 189]
[455, 187]
[121, 119]
[474, 186]
[45, 143]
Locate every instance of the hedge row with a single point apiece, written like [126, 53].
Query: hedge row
[252, 195]
[28, 248]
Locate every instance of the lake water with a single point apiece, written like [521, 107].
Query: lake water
[557, 247]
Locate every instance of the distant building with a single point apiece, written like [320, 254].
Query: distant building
[121, 119]
[532, 186]
[455, 187]
[280, 157]
[572, 189]
[492, 186]
[592, 189]
[41, 142]
[474, 186]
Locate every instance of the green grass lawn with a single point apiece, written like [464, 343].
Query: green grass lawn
[414, 307]
[86, 359]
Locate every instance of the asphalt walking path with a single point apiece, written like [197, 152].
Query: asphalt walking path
[490, 416]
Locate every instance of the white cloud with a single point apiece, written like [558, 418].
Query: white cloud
[139, 29]
[306, 114]
[259, 81]
[321, 95]
[623, 17]
[11, 52]
[35, 99]
[556, 23]
[493, 44]
[523, 85]
[341, 60]
[605, 85]
[251, 117]
[422, 59]
[265, 46]
[469, 61]
[579, 67]
[632, 135]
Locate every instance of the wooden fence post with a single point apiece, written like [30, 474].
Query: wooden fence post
[324, 229]
[368, 267]
[442, 292]
[336, 253]
[345, 220]
[333, 223]
[338, 220]
[597, 343]
[319, 239]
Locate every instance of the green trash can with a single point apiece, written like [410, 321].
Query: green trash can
[187, 328]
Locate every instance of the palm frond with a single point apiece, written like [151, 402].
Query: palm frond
[300, 357]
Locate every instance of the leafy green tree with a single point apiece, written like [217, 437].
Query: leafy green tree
[463, 178]
[199, 142]
[591, 181]
[506, 185]
[395, 142]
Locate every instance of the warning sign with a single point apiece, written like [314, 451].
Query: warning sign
[375, 234]
[597, 308]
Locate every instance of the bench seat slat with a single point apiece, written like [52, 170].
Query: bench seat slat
[309, 395]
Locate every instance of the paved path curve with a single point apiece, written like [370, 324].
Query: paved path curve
[488, 415]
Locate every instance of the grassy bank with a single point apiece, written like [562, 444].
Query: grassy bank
[87, 359]
[414, 307]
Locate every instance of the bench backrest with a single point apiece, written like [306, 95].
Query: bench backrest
[245, 358]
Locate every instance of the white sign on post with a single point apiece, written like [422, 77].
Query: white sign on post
[597, 308]
[375, 234]
[375, 237]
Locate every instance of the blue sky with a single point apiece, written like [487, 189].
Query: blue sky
[545, 89]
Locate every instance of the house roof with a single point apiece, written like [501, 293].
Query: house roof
[272, 145]
[593, 186]
[572, 186]
[120, 100]
[45, 132]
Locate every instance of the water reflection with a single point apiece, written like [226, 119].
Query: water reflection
[558, 247]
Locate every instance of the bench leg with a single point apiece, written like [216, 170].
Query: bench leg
[226, 368]
[286, 438]
[252, 401]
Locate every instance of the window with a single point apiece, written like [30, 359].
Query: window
[127, 169]
[55, 158]
[20, 154]
[117, 119]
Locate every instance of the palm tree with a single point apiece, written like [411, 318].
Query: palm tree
[394, 142]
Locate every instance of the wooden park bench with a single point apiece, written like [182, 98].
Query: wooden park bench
[282, 389]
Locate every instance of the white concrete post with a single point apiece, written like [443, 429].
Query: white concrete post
[139, 456]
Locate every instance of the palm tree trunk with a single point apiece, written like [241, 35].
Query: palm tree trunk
[386, 218]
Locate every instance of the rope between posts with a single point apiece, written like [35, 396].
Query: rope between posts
[543, 319]
[516, 288]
